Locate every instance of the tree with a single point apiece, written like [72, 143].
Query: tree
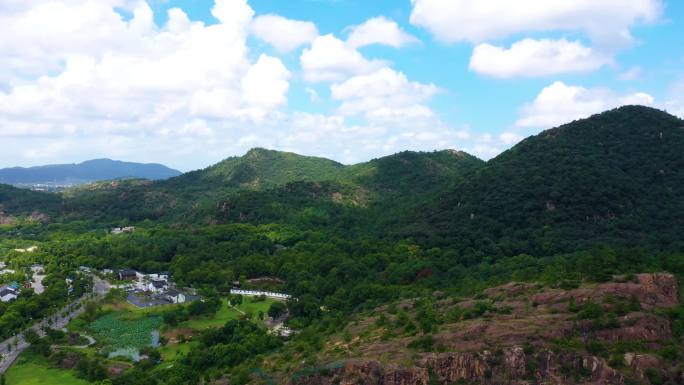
[31, 336]
[236, 300]
[276, 310]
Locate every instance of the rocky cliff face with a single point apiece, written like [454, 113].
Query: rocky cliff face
[509, 366]
[517, 349]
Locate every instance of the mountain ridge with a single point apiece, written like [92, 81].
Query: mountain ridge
[85, 172]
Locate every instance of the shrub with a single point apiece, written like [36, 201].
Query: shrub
[424, 343]
[654, 376]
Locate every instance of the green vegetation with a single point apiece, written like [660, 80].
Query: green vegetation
[32, 370]
[571, 206]
[228, 313]
[122, 331]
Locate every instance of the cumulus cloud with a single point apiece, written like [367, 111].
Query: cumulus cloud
[384, 95]
[605, 21]
[283, 34]
[531, 57]
[78, 71]
[379, 30]
[510, 138]
[331, 59]
[560, 103]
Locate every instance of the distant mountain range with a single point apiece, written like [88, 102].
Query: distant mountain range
[82, 173]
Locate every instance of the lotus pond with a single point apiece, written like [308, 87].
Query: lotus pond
[121, 333]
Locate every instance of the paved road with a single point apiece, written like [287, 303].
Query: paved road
[59, 320]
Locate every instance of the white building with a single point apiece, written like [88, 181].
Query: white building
[38, 269]
[158, 286]
[175, 296]
[121, 230]
[163, 276]
[7, 293]
[257, 293]
[28, 250]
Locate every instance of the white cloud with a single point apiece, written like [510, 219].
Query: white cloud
[178, 21]
[510, 138]
[76, 72]
[560, 103]
[234, 13]
[283, 34]
[606, 21]
[265, 85]
[379, 30]
[385, 95]
[531, 57]
[632, 73]
[331, 59]
[157, 74]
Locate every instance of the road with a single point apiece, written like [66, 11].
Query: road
[59, 320]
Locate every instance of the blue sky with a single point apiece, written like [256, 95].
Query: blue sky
[188, 83]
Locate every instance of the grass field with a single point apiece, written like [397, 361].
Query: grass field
[171, 351]
[227, 313]
[30, 370]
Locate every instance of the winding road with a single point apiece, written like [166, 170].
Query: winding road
[9, 353]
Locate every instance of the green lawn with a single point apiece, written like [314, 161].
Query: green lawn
[30, 371]
[227, 313]
[171, 351]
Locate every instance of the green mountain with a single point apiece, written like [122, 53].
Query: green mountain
[616, 177]
[272, 185]
[258, 169]
[358, 195]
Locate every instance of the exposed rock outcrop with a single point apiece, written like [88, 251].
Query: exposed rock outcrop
[508, 366]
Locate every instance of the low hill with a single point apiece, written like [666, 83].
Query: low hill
[16, 202]
[82, 173]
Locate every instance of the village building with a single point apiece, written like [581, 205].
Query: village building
[38, 269]
[164, 276]
[126, 275]
[121, 230]
[175, 296]
[27, 250]
[8, 293]
[158, 286]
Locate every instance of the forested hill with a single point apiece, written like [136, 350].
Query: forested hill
[265, 185]
[258, 169]
[86, 172]
[19, 201]
[617, 178]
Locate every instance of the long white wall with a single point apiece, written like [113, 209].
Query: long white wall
[256, 293]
